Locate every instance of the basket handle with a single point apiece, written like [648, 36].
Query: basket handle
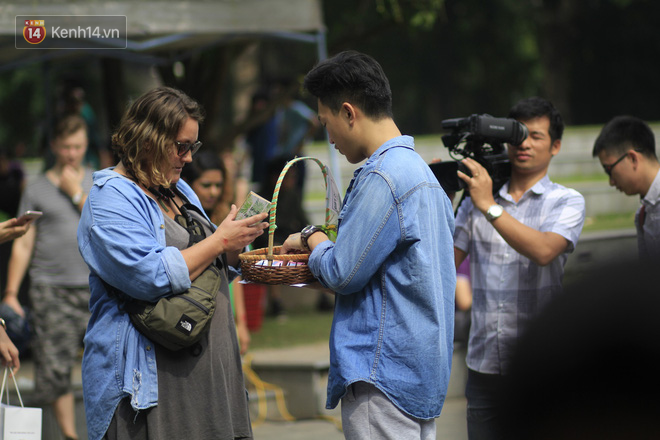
[276, 193]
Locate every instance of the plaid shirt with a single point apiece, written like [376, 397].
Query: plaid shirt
[508, 288]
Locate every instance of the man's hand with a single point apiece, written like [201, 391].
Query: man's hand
[293, 245]
[71, 180]
[480, 184]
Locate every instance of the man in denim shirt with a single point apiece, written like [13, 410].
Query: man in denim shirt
[518, 241]
[391, 266]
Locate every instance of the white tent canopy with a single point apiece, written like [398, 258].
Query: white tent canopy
[155, 28]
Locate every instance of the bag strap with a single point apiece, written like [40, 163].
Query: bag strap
[195, 230]
[4, 380]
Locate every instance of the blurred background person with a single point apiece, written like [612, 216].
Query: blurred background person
[583, 369]
[263, 137]
[59, 288]
[12, 183]
[8, 351]
[9, 230]
[207, 176]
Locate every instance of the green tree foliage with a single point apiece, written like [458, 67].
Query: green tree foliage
[591, 58]
[22, 98]
[472, 57]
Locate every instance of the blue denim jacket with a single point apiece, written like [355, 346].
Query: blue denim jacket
[121, 236]
[393, 272]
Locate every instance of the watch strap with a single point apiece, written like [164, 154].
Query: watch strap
[306, 233]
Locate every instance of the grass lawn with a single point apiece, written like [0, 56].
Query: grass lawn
[299, 328]
[606, 222]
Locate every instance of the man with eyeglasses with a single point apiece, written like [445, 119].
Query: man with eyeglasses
[626, 149]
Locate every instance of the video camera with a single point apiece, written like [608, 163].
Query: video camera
[482, 138]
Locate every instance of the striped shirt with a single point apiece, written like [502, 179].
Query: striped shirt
[508, 288]
[56, 260]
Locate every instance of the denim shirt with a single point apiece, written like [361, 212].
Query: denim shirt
[121, 236]
[392, 268]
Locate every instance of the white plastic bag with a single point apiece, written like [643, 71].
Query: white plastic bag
[18, 422]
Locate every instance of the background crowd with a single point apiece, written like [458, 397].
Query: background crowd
[516, 241]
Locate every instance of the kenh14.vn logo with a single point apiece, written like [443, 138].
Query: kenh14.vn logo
[34, 31]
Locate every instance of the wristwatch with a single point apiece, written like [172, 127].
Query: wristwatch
[77, 197]
[306, 233]
[494, 212]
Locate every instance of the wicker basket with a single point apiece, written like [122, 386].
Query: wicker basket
[265, 265]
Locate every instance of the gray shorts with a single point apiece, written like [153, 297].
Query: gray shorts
[60, 316]
[367, 414]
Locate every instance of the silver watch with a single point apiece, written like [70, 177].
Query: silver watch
[494, 212]
[77, 197]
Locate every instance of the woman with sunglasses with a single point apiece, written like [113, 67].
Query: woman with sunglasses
[131, 239]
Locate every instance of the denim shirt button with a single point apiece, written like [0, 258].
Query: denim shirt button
[162, 226]
[148, 347]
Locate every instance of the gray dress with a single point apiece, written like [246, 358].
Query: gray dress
[201, 391]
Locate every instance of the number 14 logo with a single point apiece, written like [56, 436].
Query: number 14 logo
[34, 31]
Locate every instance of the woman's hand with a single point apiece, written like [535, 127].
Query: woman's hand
[12, 229]
[236, 234]
[8, 352]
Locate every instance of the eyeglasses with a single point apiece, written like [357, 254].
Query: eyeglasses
[184, 147]
[608, 168]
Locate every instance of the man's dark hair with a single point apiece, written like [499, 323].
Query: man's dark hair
[352, 77]
[535, 107]
[623, 133]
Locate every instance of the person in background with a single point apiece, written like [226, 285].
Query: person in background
[12, 184]
[59, 290]
[290, 218]
[10, 230]
[74, 102]
[463, 302]
[391, 267]
[8, 351]
[263, 136]
[626, 149]
[131, 238]
[207, 175]
[518, 241]
[581, 370]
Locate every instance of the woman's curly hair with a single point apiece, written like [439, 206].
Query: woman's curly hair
[148, 129]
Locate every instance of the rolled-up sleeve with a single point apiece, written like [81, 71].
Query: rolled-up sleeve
[122, 242]
[366, 238]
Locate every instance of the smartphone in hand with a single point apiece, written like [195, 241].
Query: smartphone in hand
[28, 216]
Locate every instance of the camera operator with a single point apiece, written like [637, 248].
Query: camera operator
[518, 241]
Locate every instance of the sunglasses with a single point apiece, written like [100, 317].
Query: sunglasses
[184, 147]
